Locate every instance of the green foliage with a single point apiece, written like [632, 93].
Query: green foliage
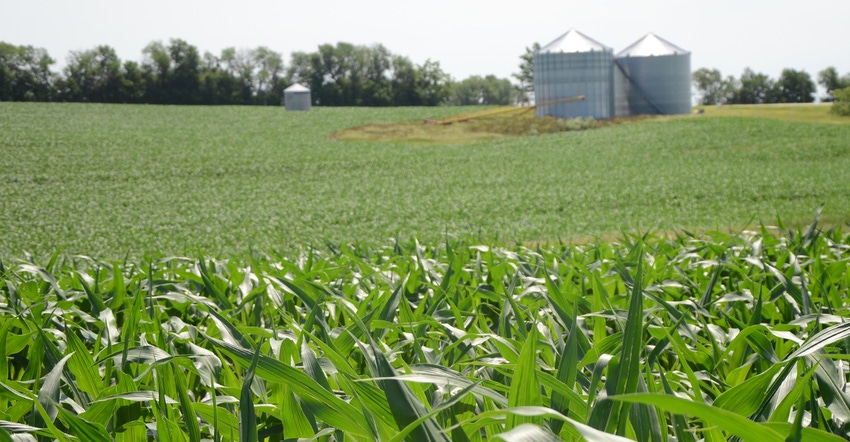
[712, 88]
[353, 75]
[832, 81]
[525, 76]
[794, 87]
[841, 105]
[116, 180]
[477, 90]
[753, 88]
[701, 337]
[93, 76]
[25, 74]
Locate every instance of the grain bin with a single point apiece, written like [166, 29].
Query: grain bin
[653, 76]
[297, 98]
[574, 64]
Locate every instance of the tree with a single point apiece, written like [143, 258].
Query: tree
[93, 76]
[753, 88]
[377, 65]
[300, 69]
[525, 76]
[25, 73]
[132, 88]
[354, 75]
[711, 86]
[403, 82]
[156, 69]
[841, 105]
[831, 81]
[432, 84]
[794, 87]
[239, 64]
[183, 84]
[268, 76]
[486, 90]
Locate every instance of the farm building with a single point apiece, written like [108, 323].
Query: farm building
[297, 98]
[574, 64]
[650, 77]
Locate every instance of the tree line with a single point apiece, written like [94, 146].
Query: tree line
[751, 87]
[176, 73]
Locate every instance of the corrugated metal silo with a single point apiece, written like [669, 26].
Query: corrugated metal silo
[574, 64]
[297, 98]
[657, 78]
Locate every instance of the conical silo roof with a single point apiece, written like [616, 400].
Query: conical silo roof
[651, 45]
[574, 41]
[297, 88]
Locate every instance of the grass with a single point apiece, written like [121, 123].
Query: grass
[803, 112]
[114, 181]
[715, 337]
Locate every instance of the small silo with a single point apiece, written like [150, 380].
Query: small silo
[653, 77]
[574, 64]
[297, 98]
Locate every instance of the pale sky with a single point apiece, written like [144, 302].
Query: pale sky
[467, 37]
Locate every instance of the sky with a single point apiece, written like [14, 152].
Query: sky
[467, 37]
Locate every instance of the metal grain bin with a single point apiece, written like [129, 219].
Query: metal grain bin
[574, 64]
[297, 98]
[657, 78]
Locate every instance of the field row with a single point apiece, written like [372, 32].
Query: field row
[112, 180]
[697, 338]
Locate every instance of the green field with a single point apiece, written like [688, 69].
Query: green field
[236, 274]
[115, 180]
[707, 338]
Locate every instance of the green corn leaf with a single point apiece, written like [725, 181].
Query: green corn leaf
[211, 288]
[831, 385]
[94, 298]
[624, 378]
[225, 422]
[820, 340]
[166, 428]
[295, 421]
[119, 290]
[730, 422]
[311, 365]
[229, 332]
[86, 431]
[4, 435]
[680, 425]
[186, 405]
[324, 404]
[82, 366]
[573, 428]
[783, 410]
[807, 434]
[404, 405]
[525, 389]
[443, 406]
[745, 398]
[567, 370]
[247, 416]
[48, 394]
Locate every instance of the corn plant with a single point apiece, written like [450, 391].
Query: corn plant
[692, 337]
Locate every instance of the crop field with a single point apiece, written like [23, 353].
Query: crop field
[649, 339]
[239, 274]
[115, 181]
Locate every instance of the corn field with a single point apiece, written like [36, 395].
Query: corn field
[712, 337]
